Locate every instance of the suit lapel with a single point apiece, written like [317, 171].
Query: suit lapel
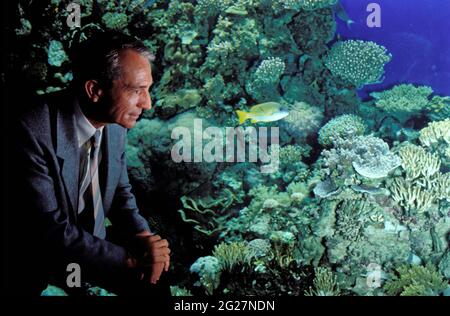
[109, 166]
[67, 152]
[69, 158]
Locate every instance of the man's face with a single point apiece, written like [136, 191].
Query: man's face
[130, 93]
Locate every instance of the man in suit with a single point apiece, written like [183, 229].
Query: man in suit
[71, 176]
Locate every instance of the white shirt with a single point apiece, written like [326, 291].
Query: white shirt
[85, 130]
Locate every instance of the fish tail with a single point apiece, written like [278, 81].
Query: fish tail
[242, 115]
[349, 23]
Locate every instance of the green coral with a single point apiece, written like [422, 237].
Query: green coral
[115, 21]
[232, 255]
[416, 281]
[358, 62]
[56, 54]
[325, 283]
[303, 120]
[308, 5]
[403, 101]
[209, 270]
[266, 79]
[347, 125]
[179, 291]
[316, 4]
[290, 154]
[439, 108]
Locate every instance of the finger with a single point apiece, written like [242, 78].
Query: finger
[166, 265]
[161, 259]
[153, 238]
[161, 252]
[157, 270]
[163, 243]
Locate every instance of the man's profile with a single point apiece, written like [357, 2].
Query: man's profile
[69, 149]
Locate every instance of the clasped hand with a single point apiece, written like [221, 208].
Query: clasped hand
[156, 257]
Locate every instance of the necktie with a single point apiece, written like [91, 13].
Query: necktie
[90, 200]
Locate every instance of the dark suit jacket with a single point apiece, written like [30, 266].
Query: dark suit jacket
[47, 160]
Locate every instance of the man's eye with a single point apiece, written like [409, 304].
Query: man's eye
[136, 91]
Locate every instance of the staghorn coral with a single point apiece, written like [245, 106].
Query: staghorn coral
[422, 186]
[416, 281]
[403, 101]
[411, 197]
[357, 62]
[418, 163]
[232, 255]
[343, 126]
[436, 136]
[325, 283]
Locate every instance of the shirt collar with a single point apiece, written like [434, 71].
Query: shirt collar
[85, 130]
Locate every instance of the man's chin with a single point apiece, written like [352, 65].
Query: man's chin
[128, 124]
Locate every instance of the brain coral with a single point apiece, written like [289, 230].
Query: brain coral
[357, 62]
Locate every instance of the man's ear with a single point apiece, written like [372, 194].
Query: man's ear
[93, 90]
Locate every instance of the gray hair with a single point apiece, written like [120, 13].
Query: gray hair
[114, 69]
[99, 57]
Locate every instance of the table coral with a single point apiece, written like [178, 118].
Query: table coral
[358, 62]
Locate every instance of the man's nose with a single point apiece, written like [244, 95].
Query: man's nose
[146, 102]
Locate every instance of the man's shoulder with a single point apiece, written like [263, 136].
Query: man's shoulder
[38, 113]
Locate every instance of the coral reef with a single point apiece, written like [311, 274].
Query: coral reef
[362, 188]
[325, 283]
[358, 62]
[403, 101]
[416, 281]
[343, 126]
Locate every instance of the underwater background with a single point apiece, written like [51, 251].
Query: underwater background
[360, 203]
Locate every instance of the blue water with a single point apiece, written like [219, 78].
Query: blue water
[416, 32]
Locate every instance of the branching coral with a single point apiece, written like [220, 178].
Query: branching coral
[411, 197]
[416, 281]
[266, 78]
[343, 126]
[423, 185]
[357, 62]
[232, 255]
[418, 163]
[436, 134]
[325, 283]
